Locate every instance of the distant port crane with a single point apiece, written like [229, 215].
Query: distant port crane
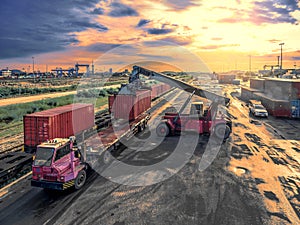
[71, 71]
[59, 71]
[82, 65]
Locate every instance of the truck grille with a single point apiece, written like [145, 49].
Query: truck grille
[50, 178]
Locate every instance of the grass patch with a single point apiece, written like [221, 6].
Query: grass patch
[12, 114]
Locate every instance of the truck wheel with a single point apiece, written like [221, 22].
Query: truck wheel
[222, 131]
[162, 130]
[80, 179]
[141, 127]
[106, 157]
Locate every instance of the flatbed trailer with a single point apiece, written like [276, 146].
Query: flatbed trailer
[110, 138]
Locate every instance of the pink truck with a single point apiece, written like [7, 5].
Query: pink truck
[58, 164]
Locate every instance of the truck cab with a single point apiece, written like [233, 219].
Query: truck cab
[58, 165]
[196, 108]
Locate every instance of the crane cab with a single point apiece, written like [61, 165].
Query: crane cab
[197, 108]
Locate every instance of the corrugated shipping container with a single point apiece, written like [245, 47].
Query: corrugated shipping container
[166, 88]
[275, 107]
[236, 82]
[226, 78]
[280, 88]
[296, 90]
[155, 90]
[60, 122]
[248, 93]
[295, 104]
[159, 89]
[258, 84]
[129, 107]
[111, 100]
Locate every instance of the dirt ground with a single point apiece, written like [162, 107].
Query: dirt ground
[254, 179]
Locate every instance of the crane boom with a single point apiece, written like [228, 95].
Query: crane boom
[137, 70]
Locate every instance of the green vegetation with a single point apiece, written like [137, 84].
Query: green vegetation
[7, 92]
[12, 114]
[13, 91]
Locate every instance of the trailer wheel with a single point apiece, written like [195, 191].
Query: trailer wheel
[106, 157]
[80, 179]
[222, 131]
[142, 127]
[162, 130]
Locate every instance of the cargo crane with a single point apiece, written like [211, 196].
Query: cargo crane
[59, 71]
[82, 65]
[198, 120]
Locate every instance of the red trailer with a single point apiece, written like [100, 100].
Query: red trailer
[130, 106]
[61, 122]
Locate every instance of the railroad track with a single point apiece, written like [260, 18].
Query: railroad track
[9, 127]
[13, 166]
[14, 163]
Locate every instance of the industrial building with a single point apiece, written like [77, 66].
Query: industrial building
[226, 78]
[281, 97]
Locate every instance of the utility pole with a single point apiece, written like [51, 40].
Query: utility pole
[250, 64]
[281, 55]
[33, 65]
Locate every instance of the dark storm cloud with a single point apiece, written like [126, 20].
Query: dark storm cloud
[158, 43]
[282, 8]
[121, 10]
[143, 22]
[98, 11]
[101, 47]
[296, 58]
[112, 48]
[31, 27]
[267, 11]
[179, 5]
[158, 31]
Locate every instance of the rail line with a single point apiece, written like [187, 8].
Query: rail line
[12, 126]
[14, 163]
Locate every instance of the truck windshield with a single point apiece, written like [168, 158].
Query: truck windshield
[259, 107]
[43, 156]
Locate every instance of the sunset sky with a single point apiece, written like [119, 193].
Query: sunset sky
[185, 33]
